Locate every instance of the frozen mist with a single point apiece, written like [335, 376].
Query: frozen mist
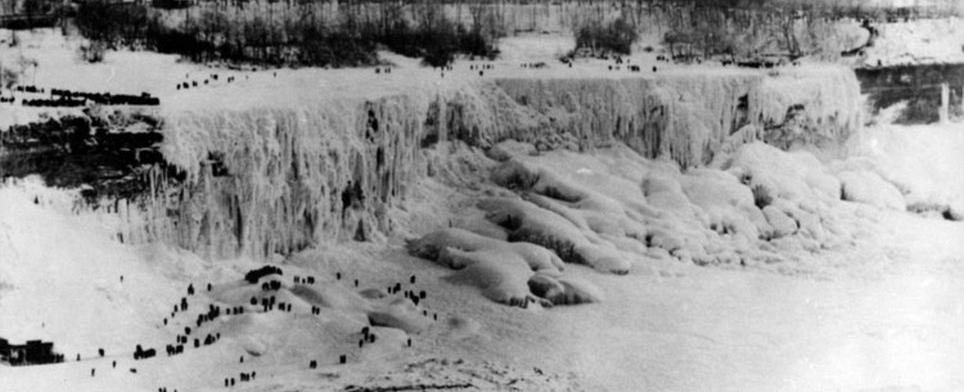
[692, 227]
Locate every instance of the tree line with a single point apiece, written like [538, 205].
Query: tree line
[293, 33]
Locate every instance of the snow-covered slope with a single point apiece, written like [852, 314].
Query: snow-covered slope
[924, 161]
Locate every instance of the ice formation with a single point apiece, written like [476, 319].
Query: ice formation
[922, 162]
[271, 173]
[591, 210]
[617, 211]
[514, 273]
[284, 174]
[867, 187]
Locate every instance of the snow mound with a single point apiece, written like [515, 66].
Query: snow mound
[65, 276]
[455, 248]
[501, 280]
[613, 208]
[867, 187]
[504, 271]
[530, 222]
[564, 291]
[796, 192]
[400, 314]
[922, 161]
[792, 176]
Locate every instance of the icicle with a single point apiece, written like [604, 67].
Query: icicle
[284, 170]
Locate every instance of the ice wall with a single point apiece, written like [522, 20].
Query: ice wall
[688, 116]
[819, 106]
[282, 176]
[274, 180]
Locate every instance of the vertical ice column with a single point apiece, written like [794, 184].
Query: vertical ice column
[945, 102]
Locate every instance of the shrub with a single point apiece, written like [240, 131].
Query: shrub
[217, 34]
[438, 40]
[110, 24]
[920, 110]
[93, 52]
[616, 36]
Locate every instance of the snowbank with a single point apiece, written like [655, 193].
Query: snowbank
[867, 187]
[920, 41]
[504, 271]
[616, 211]
[65, 276]
[923, 162]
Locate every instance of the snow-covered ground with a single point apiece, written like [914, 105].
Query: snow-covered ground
[924, 41]
[862, 295]
[883, 313]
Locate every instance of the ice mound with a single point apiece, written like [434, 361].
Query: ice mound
[531, 222]
[501, 280]
[795, 192]
[504, 271]
[456, 248]
[923, 161]
[331, 296]
[784, 175]
[612, 208]
[608, 231]
[867, 187]
[304, 319]
[728, 204]
[564, 291]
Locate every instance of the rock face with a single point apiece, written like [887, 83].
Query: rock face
[114, 154]
[279, 177]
